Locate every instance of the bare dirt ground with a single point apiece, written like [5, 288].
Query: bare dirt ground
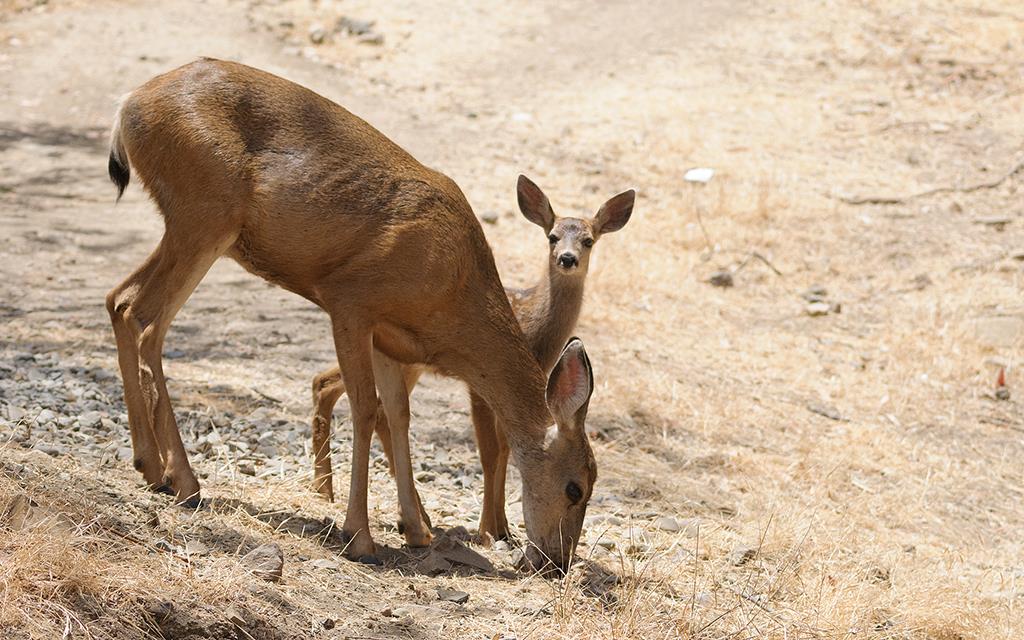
[769, 467]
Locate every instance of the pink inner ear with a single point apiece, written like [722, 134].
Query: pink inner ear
[566, 385]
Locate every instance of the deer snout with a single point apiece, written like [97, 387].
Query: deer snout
[568, 260]
[542, 563]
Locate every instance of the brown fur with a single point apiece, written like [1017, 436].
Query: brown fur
[305, 194]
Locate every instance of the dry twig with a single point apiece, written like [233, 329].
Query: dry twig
[989, 184]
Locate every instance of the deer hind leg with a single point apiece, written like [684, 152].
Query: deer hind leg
[142, 313]
[145, 453]
[493, 449]
[395, 400]
[327, 389]
[353, 343]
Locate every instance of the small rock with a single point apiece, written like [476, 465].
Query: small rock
[667, 523]
[450, 595]
[404, 615]
[196, 548]
[458, 532]
[607, 544]
[90, 419]
[317, 34]
[603, 519]
[246, 468]
[699, 174]
[517, 558]
[376, 39]
[690, 526]
[325, 563]
[424, 476]
[236, 616]
[816, 309]
[432, 564]
[328, 623]
[490, 217]
[45, 416]
[921, 281]
[51, 449]
[454, 551]
[353, 26]
[996, 222]
[815, 293]
[265, 561]
[163, 545]
[722, 279]
[742, 555]
[827, 411]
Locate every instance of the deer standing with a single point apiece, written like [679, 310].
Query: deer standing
[547, 313]
[302, 193]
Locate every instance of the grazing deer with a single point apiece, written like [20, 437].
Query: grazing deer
[547, 312]
[299, 191]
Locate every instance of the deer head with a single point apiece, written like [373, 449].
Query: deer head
[554, 507]
[572, 238]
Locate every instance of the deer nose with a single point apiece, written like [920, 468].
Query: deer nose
[568, 260]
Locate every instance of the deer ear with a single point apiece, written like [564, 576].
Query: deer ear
[614, 214]
[534, 204]
[570, 385]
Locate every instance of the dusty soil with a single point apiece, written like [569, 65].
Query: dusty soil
[851, 474]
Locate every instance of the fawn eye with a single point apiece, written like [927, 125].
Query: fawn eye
[588, 242]
[573, 492]
[552, 238]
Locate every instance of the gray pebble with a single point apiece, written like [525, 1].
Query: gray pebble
[722, 279]
[51, 449]
[265, 561]
[450, 595]
[667, 523]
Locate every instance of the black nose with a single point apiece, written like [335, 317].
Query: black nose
[568, 260]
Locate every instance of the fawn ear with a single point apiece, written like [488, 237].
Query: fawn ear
[570, 385]
[534, 204]
[614, 214]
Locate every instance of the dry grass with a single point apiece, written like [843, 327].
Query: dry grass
[901, 520]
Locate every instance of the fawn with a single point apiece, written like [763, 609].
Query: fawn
[547, 312]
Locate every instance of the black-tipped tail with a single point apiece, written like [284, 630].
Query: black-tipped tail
[119, 173]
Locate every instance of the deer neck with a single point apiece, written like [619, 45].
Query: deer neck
[554, 309]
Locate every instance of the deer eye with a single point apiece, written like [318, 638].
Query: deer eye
[552, 238]
[573, 492]
[588, 242]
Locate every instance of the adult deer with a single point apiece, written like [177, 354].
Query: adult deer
[547, 313]
[308, 196]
